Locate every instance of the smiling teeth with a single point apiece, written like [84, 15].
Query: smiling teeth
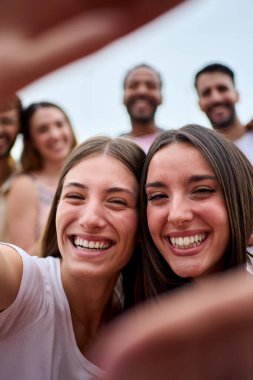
[92, 244]
[187, 241]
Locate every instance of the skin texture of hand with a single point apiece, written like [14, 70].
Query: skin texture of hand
[38, 37]
[202, 332]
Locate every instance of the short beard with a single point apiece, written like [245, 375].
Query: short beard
[142, 119]
[5, 154]
[225, 124]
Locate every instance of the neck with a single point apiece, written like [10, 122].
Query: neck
[52, 167]
[92, 312]
[234, 131]
[143, 129]
[50, 173]
[6, 168]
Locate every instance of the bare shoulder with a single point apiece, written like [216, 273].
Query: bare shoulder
[23, 185]
[23, 180]
[11, 268]
[10, 256]
[9, 251]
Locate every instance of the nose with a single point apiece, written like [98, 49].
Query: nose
[142, 89]
[216, 96]
[180, 212]
[55, 132]
[92, 215]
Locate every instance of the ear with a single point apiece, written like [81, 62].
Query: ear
[124, 98]
[200, 105]
[160, 100]
[237, 96]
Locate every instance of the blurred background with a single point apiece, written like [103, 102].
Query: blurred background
[177, 44]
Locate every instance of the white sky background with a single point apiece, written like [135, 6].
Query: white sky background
[177, 44]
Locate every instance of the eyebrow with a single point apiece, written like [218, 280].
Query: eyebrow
[114, 189]
[74, 184]
[195, 178]
[121, 190]
[201, 177]
[154, 184]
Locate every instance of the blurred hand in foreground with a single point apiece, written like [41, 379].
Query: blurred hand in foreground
[202, 332]
[38, 37]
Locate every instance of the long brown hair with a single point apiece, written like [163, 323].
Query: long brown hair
[235, 176]
[30, 159]
[132, 156]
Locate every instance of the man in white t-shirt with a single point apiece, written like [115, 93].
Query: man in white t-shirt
[142, 96]
[215, 85]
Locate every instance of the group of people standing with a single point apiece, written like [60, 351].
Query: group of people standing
[184, 212]
[216, 89]
[123, 228]
[112, 226]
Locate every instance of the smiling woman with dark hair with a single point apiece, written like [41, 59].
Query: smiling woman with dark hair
[196, 208]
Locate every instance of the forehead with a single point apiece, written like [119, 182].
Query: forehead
[142, 74]
[177, 158]
[213, 79]
[14, 112]
[46, 113]
[101, 168]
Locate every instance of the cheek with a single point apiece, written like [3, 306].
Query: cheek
[125, 97]
[203, 104]
[40, 143]
[67, 131]
[225, 230]
[127, 227]
[217, 212]
[62, 218]
[232, 99]
[155, 220]
[216, 216]
[131, 224]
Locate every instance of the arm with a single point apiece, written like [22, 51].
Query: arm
[10, 275]
[36, 38]
[22, 213]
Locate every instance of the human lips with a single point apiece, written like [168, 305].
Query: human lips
[91, 244]
[218, 109]
[4, 140]
[141, 101]
[187, 242]
[58, 146]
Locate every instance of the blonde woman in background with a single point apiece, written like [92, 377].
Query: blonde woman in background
[48, 139]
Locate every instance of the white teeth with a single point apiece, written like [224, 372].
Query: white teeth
[187, 241]
[92, 244]
[192, 239]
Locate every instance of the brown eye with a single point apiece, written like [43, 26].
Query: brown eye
[119, 201]
[156, 197]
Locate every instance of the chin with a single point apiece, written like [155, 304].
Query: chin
[188, 272]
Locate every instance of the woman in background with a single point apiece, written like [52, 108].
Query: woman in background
[48, 139]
